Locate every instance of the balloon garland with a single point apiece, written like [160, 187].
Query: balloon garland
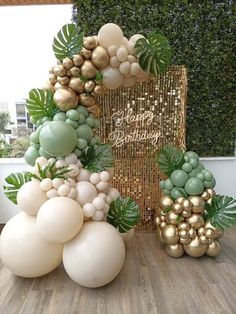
[191, 218]
[70, 211]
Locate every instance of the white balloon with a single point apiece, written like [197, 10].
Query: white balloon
[30, 197]
[114, 62]
[95, 256]
[130, 47]
[112, 50]
[114, 193]
[24, 252]
[103, 186]
[73, 193]
[125, 41]
[59, 219]
[124, 67]
[98, 203]
[46, 184]
[110, 34]
[135, 68]
[135, 37]
[86, 192]
[112, 78]
[122, 54]
[89, 210]
[52, 193]
[131, 59]
[98, 216]
[105, 176]
[95, 178]
[63, 190]
[84, 175]
[42, 161]
[71, 158]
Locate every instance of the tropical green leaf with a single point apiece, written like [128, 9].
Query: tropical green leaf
[40, 104]
[51, 171]
[15, 181]
[97, 158]
[68, 41]
[153, 53]
[221, 212]
[123, 214]
[170, 158]
[99, 77]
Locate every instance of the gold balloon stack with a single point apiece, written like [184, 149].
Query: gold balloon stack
[182, 229]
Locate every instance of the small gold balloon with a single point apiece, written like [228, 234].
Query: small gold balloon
[100, 57]
[196, 221]
[209, 233]
[163, 218]
[86, 53]
[63, 80]
[180, 200]
[211, 192]
[89, 86]
[58, 86]
[87, 100]
[75, 71]
[198, 204]
[203, 239]
[78, 60]
[186, 214]
[192, 233]
[205, 195]
[163, 224]
[88, 70]
[195, 248]
[187, 206]
[217, 232]
[200, 231]
[52, 79]
[59, 70]
[65, 98]
[209, 201]
[183, 226]
[76, 84]
[177, 208]
[184, 241]
[173, 219]
[68, 63]
[184, 234]
[174, 250]
[214, 249]
[89, 42]
[98, 90]
[157, 221]
[95, 110]
[165, 202]
[170, 234]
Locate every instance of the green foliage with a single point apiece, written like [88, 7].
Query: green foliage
[154, 53]
[201, 36]
[19, 147]
[170, 158]
[123, 214]
[97, 158]
[221, 212]
[15, 182]
[40, 104]
[51, 171]
[68, 41]
[4, 121]
[5, 149]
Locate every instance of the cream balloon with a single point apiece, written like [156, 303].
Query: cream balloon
[95, 256]
[59, 219]
[112, 78]
[24, 252]
[135, 37]
[30, 197]
[110, 34]
[86, 192]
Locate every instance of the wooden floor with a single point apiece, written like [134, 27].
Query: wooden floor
[150, 282]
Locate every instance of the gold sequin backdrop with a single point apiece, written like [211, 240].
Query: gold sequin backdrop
[135, 172]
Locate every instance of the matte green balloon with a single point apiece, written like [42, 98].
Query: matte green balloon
[31, 155]
[77, 152]
[81, 143]
[90, 121]
[179, 178]
[168, 185]
[73, 114]
[60, 116]
[83, 111]
[191, 154]
[177, 192]
[85, 132]
[43, 153]
[187, 167]
[34, 137]
[194, 186]
[58, 138]
[73, 123]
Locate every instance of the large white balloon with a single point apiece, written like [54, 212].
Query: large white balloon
[59, 219]
[86, 192]
[24, 252]
[30, 197]
[110, 34]
[112, 78]
[95, 256]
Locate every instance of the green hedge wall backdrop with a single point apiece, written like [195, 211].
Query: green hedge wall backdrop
[202, 36]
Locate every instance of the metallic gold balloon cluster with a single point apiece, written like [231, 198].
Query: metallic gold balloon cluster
[76, 80]
[182, 229]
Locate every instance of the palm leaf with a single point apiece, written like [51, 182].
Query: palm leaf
[153, 53]
[221, 212]
[123, 214]
[68, 41]
[170, 158]
[40, 104]
[97, 158]
[15, 181]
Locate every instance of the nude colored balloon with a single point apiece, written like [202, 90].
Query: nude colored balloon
[110, 34]
[24, 252]
[112, 78]
[30, 197]
[86, 192]
[95, 256]
[59, 219]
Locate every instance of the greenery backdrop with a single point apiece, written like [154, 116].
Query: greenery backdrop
[202, 36]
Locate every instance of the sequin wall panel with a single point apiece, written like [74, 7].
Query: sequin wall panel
[137, 121]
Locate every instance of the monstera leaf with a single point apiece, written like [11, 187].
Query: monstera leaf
[68, 41]
[97, 157]
[40, 104]
[221, 212]
[15, 181]
[123, 214]
[170, 158]
[153, 53]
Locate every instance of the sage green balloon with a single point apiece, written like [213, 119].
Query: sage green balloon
[34, 137]
[60, 116]
[31, 155]
[73, 114]
[179, 178]
[194, 186]
[58, 138]
[85, 132]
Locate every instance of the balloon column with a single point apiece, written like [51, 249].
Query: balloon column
[70, 211]
[191, 218]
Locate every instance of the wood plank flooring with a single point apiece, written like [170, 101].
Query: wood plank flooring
[150, 282]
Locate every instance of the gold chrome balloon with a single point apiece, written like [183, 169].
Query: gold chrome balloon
[78, 60]
[89, 42]
[157, 221]
[59, 70]
[98, 89]
[75, 71]
[68, 63]
[163, 224]
[209, 233]
[100, 57]
[170, 234]
[163, 218]
[211, 192]
[198, 204]
[214, 249]
[217, 232]
[52, 78]
[196, 221]
[174, 250]
[173, 219]
[177, 208]
[192, 233]
[184, 234]
[180, 200]
[205, 195]
[184, 241]
[187, 206]
[200, 231]
[195, 248]
[183, 226]
[88, 70]
[95, 109]
[186, 214]
[89, 86]
[65, 98]
[203, 239]
[76, 84]
[86, 53]
[165, 202]
[63, 80]
[87, 100]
